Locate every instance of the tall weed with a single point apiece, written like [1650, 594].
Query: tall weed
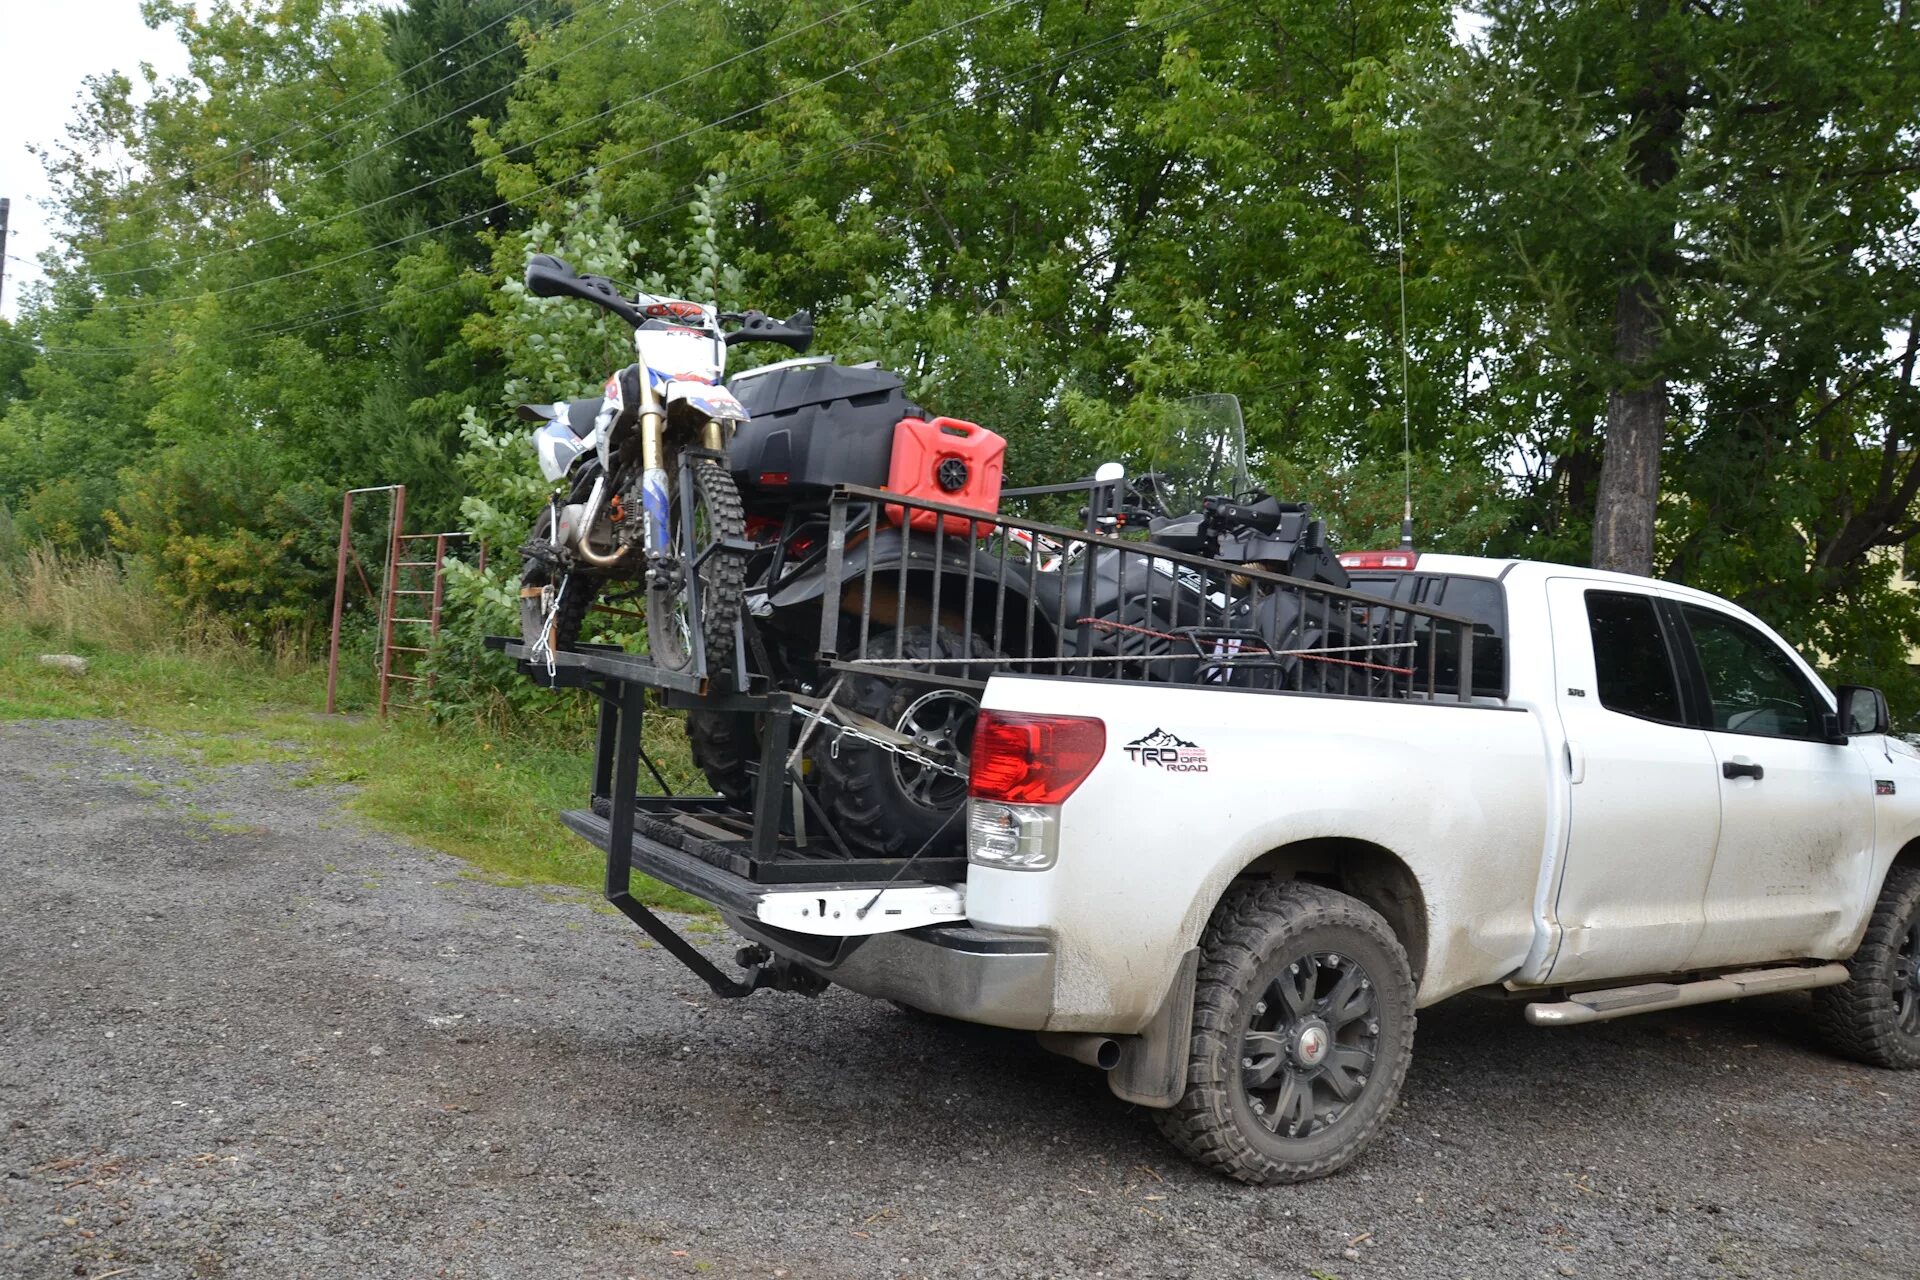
[104, 602]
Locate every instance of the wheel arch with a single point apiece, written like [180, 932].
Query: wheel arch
[1364, 870]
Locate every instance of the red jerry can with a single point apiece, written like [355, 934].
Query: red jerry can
[946, 460]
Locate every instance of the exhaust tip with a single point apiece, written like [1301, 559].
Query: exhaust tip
[1093, 1049]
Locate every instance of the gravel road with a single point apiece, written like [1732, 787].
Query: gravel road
[279, 1044]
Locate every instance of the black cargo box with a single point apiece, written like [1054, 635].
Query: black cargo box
[814, 426]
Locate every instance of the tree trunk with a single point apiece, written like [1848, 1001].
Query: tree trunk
[1637, 400]
[1636, 428]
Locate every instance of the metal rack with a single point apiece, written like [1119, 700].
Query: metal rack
[1186, 619]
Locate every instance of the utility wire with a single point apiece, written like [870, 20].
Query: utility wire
[478, 164]
[154, 206]
[1032, 72]
[246, 148]
[151, 303]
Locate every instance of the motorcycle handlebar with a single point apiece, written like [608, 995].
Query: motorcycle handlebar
[550, 277]
[796, 331]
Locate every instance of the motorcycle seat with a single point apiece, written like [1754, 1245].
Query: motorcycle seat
[577, 414]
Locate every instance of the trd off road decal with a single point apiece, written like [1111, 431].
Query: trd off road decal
[1174, 754]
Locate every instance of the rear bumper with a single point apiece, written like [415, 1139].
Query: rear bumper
[957, 970]
[993, 976]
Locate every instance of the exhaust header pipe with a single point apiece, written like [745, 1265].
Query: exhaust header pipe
[580, 543]
[1091, 1048]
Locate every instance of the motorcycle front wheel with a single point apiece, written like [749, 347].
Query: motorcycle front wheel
[717, 516]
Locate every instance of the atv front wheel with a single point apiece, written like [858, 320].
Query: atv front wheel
[725, 746]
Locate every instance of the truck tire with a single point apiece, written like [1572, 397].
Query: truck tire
[881, 802]
[724, 744]
[1874, 1016]
[1302, 1031]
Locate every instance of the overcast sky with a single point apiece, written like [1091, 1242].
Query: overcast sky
[56, 45]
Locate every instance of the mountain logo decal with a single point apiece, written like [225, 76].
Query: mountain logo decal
[1168, 751]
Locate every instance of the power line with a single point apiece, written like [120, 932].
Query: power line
[153, 206]
[478, 164]
[1026, 76]
[897, 124]
[247, 147]
[150, 304]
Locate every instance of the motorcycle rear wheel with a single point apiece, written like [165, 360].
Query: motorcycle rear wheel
[554, 605]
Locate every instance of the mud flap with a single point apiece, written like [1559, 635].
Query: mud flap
[1152, 1071]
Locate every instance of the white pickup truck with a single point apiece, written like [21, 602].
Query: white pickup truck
[1234, 901]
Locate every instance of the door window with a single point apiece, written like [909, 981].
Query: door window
[1632, 666]
[1752, 685]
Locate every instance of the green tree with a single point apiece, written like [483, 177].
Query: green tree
[1701, 219]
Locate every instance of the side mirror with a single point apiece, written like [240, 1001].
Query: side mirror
[547, 276]
[1863, 709]
[1108, 472]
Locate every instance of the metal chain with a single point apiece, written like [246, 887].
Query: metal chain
[890, 744]
[543, 647]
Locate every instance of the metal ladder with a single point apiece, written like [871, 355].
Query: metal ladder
[406, 588]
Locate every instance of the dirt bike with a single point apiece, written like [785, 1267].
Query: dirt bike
[624, 515]
[744, 534]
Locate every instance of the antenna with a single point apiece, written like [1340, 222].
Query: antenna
[1406, 404]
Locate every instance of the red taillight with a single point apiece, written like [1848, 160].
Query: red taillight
[1033, 759]
[774, 478]
[1379, 559]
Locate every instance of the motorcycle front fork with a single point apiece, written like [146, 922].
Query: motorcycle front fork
[654, 494]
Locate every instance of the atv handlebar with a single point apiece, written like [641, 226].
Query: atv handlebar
[1264, 517]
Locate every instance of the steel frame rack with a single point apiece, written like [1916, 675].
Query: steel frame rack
[706, 846]
[700, 834]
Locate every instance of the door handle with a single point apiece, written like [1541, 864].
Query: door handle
[1742, 769]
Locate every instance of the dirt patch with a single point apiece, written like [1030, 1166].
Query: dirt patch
[279, 1044]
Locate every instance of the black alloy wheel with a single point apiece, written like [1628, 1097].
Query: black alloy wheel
[1906, 983]
[1310, 1044]
[1303, 1019]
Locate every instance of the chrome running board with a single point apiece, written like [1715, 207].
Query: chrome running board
[1620, 1002]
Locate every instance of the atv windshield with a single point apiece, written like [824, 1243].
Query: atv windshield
[1202, 453]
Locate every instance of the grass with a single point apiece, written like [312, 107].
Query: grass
[210, 701]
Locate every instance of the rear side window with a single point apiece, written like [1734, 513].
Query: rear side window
[1484, 601]
[1631, 663]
